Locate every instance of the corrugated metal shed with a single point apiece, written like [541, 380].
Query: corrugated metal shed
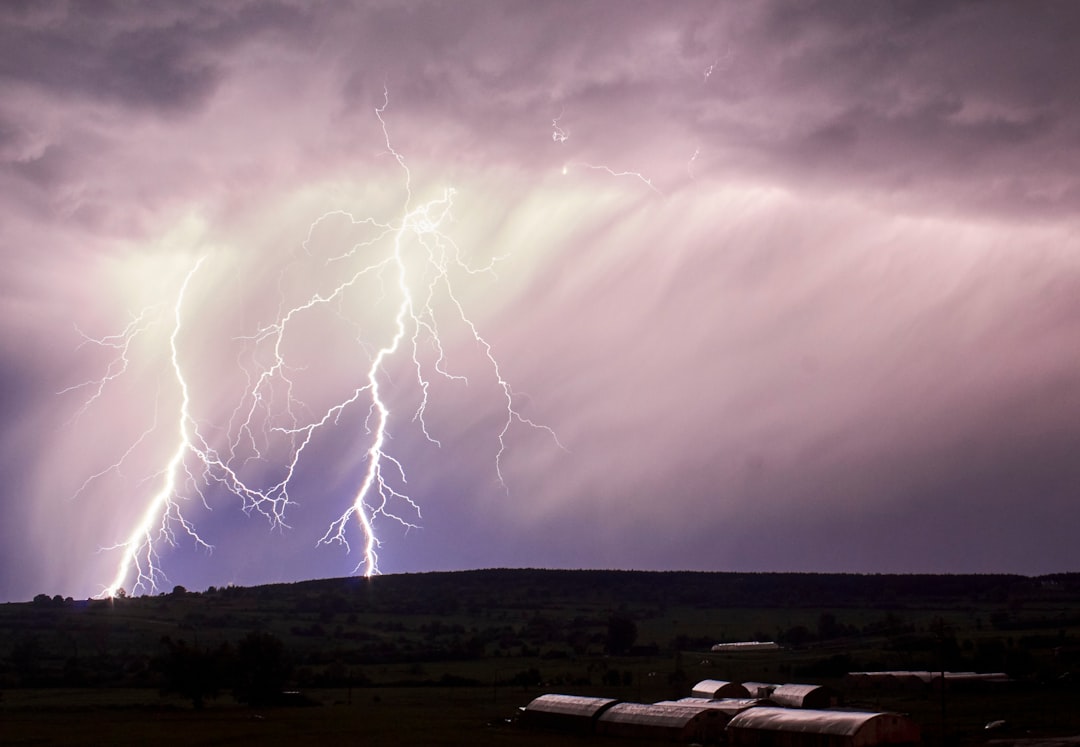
[714, 689]
[786, 727]
[673, 723]
[569, 713]
[803, 696]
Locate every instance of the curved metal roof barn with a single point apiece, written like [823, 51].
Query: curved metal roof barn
[787, 727]
[568, 713]
[715, 689]
[803, 696]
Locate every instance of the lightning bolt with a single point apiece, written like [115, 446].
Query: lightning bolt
[690, 162]
[607, 169]
[413, 259]
[121, 343]
[720, 62]
[139, 553]
[558, 134]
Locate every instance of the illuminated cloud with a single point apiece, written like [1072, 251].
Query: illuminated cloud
[835, 330]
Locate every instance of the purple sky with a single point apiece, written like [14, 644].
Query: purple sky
[796, 285]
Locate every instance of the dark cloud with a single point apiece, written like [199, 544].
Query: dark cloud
[893, 97]
[145, 56]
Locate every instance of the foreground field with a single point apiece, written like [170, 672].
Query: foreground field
[419, 716]
[422, 716]
[449, 658]
[428, 716]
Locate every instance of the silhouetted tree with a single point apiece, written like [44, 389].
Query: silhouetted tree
[260, 669]
[192, 672]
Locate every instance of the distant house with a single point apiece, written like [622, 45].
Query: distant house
[787, 727]
[804, 696]
[714, 689]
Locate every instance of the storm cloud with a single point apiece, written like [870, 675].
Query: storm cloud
[796, 285]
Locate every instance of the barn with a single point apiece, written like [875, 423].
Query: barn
[567, 713]
[714, 689]
[804, 696]
[669, 723]
[786, 727]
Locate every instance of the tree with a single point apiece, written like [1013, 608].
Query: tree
[192, 672]
[260, 669]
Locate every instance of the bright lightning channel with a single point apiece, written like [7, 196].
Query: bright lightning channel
[558, 134]
[633, 174]
[260, 417]
[415, 321]
[139, 549]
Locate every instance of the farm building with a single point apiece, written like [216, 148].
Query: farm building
[804, 696]
[713, 689]
[672, 723]
[742, 646]
[566, 713]
[970, 680]
[919, 680]
[786, 727]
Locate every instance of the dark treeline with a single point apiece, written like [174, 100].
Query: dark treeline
[564, 626]
[428, 592]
